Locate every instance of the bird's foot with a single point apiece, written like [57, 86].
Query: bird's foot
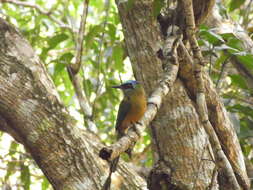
[138, 132]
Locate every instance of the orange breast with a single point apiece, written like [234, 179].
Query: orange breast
[138, 108]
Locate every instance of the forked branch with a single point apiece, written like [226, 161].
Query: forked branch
[198, 61]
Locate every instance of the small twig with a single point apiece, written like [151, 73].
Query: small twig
[120, 79]
[247, 100]
[82, 99]
[41, 11]
[73, 70]
[222, 74]
[18, 161]
[210, 59]
[19, 170]
[79, 43]
[18, 152]
[26, 4]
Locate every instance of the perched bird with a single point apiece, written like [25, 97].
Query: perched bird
[131, 109]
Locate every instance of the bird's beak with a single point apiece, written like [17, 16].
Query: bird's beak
[117, 86]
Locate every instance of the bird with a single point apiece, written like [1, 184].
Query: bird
[131, 110]
[132, 107]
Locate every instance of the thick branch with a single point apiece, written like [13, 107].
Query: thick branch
[217, 113]
[177, 136]
[201, 102]
[154, 103]
[79, 43]
[218, 117]
[30, 106]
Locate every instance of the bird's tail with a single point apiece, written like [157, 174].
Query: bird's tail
[114, 164]
[113, 167]
[107, 183]
[129, 152]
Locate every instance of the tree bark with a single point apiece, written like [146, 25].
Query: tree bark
[30, 110]
[183, 157]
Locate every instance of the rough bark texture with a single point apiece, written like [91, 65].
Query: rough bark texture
[32, 113]
[143, 40]
[179, 140]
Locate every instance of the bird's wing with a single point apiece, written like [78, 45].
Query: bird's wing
[124, 108]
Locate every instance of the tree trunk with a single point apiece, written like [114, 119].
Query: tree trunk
[30, 110]
[183, 155]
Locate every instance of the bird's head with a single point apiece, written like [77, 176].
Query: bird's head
[129, 87]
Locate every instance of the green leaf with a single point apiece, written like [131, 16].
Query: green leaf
[59, 67]
[117, 56]
[66, 58]
[130, 4]
[55, 40]
[111, 30]
[247, 60]
[52, 43]
[25, 177]
[13, 148]
[246, 110]
[44, 184]
[11, 165]
[246, 129]
[227, 36]
[10, 169]
[247, 148]
[239, 81]
[221, 59]
[157, 6]
[235, 4]
[211, 37]
[232, 41]
[88, 87]
[61, 63]
[98, 4]
[93, 32]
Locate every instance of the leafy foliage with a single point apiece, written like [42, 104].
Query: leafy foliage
[236, 92]
[157, 6]
[235, 4]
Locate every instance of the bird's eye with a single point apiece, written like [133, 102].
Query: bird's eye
[128, 85]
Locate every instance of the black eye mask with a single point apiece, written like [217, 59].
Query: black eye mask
[127, 86]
